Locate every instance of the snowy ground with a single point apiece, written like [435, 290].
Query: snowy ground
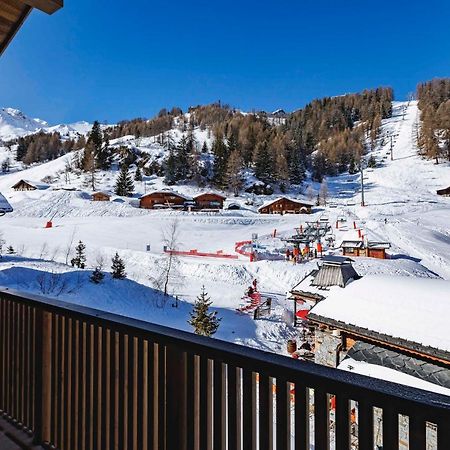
[402, 191]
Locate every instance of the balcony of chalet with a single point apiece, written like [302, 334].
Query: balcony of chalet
[76, 378]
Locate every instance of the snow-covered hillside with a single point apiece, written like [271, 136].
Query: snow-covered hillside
[14, 124]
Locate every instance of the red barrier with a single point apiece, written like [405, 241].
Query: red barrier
[238, 249]
[218, 254]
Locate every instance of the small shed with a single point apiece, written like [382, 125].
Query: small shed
[285, 205]
[162, 199]
[370, 249]
[209, 200]
[26, 185]
[444, 192]
[101, 197]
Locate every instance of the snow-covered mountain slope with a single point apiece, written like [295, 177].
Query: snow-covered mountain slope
[14, 124]
[400, 194]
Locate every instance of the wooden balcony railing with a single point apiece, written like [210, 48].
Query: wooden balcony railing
[82, 379]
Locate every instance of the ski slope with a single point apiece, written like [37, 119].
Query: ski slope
[403, 191]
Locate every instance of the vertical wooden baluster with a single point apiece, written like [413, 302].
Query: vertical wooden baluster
[43, 377]
[248, 410]
[342, 433]
[76, 384]
[232, 407]
[321, 420]
[161, 397]
[190, 401]
[176, 398]
[68, 382]
[219, 441]
[283, 415]
[390, 428]
[365, 425]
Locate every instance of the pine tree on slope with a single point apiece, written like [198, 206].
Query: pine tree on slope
[205, 323]
[124, 184]
[138, 174]
[118, 268]
[80, 256]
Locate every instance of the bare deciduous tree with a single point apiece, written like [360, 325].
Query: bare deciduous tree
[69, 246]
[168, 275]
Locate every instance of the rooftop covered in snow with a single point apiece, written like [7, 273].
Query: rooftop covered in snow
[407, 309]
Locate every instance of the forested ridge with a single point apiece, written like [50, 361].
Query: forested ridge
[434, 133]
[326, 137]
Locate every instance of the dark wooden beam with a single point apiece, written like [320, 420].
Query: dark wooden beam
[48, 6]
[14, 29]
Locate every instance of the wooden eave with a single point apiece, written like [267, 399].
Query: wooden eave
[383, 340]
[13, 14]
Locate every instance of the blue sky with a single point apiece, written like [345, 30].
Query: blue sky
[112, 60]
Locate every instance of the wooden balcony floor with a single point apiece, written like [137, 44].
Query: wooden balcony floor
[12, 438]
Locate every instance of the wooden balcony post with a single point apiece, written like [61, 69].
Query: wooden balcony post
[176, 420]
[43, 377]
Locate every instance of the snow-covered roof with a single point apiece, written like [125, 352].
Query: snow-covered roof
[408, 308]
[379, 245]
[385, 373]
[167, 192]
[210, 193]
[4, 204]
[295, 200]
[35, 184]
[352, 244]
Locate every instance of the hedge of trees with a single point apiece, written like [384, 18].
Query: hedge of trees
[41, 147]
[434, 104]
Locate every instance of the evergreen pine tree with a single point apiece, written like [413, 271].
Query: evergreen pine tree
[220, 151]
[205, 148]
[205, 323]
[352, 168]
[138, 174]
[97, 276]
[234, 172]
[118, 268]
[296, 166]
[372, 162]
[182, 159]
[22, 149]
[263, 162]
[170, 168]
[319, 167]
[10, 250]
[124, 184]
[80, 256]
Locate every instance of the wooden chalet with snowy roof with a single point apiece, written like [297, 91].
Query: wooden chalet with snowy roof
[163, 200]
[101, 197]
[27, 185]
[209, 201]
[334, 272]
[285, 205]
[384, 321]
[444, 192]
[369, 249]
